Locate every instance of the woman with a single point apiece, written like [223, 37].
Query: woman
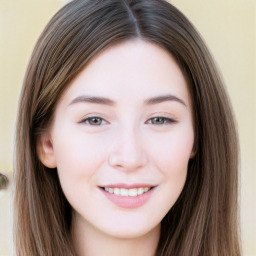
[126, 142]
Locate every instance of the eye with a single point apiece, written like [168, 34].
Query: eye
[94, 120]
[158, 120]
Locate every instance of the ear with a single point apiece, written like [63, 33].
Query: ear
[192, 154]
[194, 150]
[45, 151]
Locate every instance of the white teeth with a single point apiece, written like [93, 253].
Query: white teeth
[127, 192]
[124, 192]
[146, 190]
[116, 191]
[133, 192]
[140, 191]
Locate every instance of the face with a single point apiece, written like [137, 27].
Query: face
[121, 139]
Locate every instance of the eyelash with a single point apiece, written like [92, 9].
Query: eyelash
[88, 119]
[164, 120]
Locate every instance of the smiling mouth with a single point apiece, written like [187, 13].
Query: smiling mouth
[123, 192]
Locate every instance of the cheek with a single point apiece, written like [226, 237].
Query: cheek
[171, 156]
[172, 153]
[78, 160]
[173, 165]
[78, 157]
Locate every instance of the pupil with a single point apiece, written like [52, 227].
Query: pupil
[158, 120]
[95, 120]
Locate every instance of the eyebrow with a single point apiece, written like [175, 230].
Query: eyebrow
[109, 102]
[163, 98]
[93, 99]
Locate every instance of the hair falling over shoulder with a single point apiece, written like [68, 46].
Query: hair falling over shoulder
[204, 220]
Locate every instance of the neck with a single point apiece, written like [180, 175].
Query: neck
[89, 241]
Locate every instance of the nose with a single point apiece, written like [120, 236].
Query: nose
[127, 152]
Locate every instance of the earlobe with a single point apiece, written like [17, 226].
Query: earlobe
[45, 151]
[193, 151]
[192, 154]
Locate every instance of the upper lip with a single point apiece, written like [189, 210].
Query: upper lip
[128, 186]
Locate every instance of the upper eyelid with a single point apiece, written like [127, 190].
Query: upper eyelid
[93, 115]
[163, 114]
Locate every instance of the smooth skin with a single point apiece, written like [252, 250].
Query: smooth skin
[126, 118]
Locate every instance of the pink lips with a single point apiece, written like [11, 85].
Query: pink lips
[129, 202]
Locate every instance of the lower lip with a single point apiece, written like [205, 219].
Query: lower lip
[129, 202]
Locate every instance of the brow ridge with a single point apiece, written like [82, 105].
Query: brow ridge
[93, 99]
[109, 102]
[163, 98]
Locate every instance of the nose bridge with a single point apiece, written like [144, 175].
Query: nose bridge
[128, 152]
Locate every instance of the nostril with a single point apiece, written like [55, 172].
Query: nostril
[3, 181]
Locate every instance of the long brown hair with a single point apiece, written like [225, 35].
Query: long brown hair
[204, 220]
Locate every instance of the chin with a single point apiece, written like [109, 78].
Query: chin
[131, 231]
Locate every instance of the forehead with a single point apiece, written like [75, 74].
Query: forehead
[130, 70]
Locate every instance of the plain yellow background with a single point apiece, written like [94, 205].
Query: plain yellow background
[228, 27]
